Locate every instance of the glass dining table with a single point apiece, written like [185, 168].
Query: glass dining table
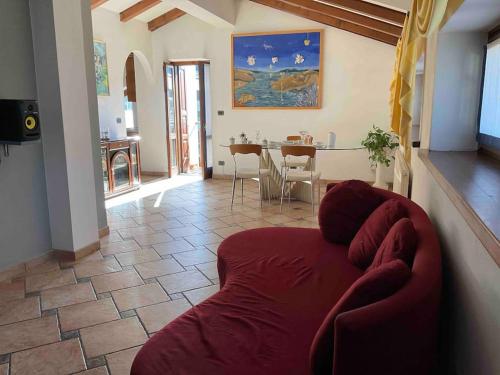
[300, 190]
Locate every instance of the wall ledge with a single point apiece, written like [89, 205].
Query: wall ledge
[480, 229]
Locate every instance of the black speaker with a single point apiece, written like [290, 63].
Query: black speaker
[19, 121]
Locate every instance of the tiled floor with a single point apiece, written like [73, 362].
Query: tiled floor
[91, 317]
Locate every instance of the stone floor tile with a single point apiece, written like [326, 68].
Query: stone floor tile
[131, 232]
[209, 269]
[87, 314]
[67, 295]
[189, 258]
[49, 280]
[203, 239]
[13, 272]
[158, 268]
[99, 267]
[152, 239]
[131, 298]
[135, 257]
[119, 247]
[112, 336]
[197, 296]
[11, 290]
[171, 247]
[28, 334]
[182, 281]
[155, 317]
[115, 281]
[19, 310]
[95, 256]
[95, 371]
[60, 358]
[185, 231]
[120, 363]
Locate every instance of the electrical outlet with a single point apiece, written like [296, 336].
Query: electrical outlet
[222, 163]
[220, 113]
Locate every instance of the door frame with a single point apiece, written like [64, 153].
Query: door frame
[206, 172]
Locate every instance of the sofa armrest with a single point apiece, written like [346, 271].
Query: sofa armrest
[389, 337]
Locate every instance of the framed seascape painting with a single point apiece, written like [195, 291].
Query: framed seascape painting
[277, 70]
[101, 68]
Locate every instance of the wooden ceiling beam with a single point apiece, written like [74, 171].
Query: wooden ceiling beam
[346, 15]
[330, 21]
[96, 3]
[137, 9]
[165, 18]
[371, 9]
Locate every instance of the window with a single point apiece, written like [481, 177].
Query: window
[129, 114]
[489, 126]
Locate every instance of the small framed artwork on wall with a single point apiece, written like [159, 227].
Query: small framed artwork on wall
[277, 70]
[101, 68]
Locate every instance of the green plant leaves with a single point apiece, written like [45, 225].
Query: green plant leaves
[380, 144]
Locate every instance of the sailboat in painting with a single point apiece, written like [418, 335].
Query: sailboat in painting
[277, 70]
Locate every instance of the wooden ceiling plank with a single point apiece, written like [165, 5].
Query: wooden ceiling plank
[346, 15]
[330, 21]
[96, 3]
[371, 9]
[137, 9]
[165, 18]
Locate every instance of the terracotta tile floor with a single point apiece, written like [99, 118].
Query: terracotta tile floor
[92, 316]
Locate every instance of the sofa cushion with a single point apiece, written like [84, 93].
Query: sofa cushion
[373, 286]
[400, 243]
[365, 243]
[344, 209]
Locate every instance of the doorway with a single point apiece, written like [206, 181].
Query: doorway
[189, 130]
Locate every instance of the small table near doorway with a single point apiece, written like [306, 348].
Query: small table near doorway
[299, 191]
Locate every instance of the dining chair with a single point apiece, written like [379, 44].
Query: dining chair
[290, 176]
[249, 173]
[293, 163]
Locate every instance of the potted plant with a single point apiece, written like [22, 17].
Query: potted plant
[380, 145]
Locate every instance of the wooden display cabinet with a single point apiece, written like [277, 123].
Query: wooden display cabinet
[121, 165]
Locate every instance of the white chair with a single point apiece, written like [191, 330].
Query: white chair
[249, 173]
[293, 163]
[312, 177]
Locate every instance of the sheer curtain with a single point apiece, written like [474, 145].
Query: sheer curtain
[490, 109]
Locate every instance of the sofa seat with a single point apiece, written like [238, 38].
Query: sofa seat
[277, 286]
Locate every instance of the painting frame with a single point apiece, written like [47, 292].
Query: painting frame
[319, 94]
[101, 68]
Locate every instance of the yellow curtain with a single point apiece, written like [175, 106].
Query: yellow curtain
[425, 17]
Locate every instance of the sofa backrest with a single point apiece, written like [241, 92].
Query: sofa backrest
[397, 335]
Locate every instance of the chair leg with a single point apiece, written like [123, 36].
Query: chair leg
[282, 194]
[269, 189]
[242, 191]
[234, 187]
[312, 196]
[260, 191]
[289, 192]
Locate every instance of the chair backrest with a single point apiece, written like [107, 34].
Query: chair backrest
[245, 149]
[294, 138]
[298, 151]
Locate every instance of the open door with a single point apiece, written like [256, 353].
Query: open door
[183, 117]
[205, 121]
[189, 125]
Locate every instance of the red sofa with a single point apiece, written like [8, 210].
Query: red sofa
[277, 286]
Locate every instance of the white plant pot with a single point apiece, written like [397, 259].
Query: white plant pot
[379, 180]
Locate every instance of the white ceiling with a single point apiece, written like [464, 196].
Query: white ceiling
[475, 15]
[118, 6]
[403, 5]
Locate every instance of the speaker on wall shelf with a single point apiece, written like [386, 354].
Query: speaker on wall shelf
[19, 121]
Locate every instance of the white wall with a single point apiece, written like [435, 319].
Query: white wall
[471, 334]
[457, 88]
[121, 39]
[357, 74]
[24, 227]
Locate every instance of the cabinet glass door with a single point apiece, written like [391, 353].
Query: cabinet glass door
[120, 165]
[135, 163]
[105, 171]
